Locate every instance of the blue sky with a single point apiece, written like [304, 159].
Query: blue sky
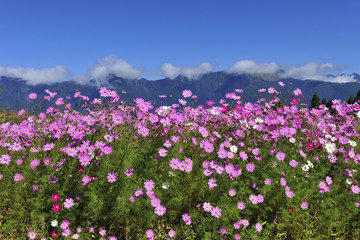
[82, 39]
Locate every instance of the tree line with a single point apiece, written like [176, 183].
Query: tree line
[315, 101]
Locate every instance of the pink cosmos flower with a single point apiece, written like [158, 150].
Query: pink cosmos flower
[267, 181]
[65, 224]
[355, 189]
[282, 181]
[5, 159]
[187, 93]
[107, 149]
[129, 172]
[258, 227]
[34, 163]
[111, 177]
[328, 180]
[253, 199]
[186, 218]
[172, 233]
[223, 231]
[102, 232]
[280, 156]
[32, 235]
[149, 184]
[297, 92]
[207, 207]
[155, 202]
[304, 205]
[47, 161]
[69, 202]
[293, 163]
[243, 155]
[241, 205]
[149, 233]
[18, 177]
[48, 146]
[32, 96]
[163, 152]
[139, 193]
[86, 179]
[216, 212]
[160, 210]
[250, 167]
[232, 192]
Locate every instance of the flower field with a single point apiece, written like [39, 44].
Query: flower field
[233, 171]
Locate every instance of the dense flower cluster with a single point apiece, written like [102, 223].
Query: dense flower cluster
[288, 142]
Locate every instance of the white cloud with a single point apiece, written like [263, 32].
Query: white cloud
[171, 71]
[250, 67]
[315, 71]
[33, 76]
[310, 71]
[103, 67]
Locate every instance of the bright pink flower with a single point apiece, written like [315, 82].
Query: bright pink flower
[55, 197]
[56, 207]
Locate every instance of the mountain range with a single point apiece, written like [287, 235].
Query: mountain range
[210, 86]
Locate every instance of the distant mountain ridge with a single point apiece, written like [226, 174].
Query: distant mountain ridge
[210, 86]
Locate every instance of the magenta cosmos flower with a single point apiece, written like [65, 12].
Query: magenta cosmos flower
[55, 197]
[56, 207]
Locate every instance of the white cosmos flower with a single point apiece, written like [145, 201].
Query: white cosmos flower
[310, 164]
[233, 148]
[165, 185]
[305, 168]
[328, 136]
[348, 181]
[333, 139]
[171, 173]
[54, 223]
[292, 140]
[358, 114]
[214, 112]
[330, 147]
[352, 143]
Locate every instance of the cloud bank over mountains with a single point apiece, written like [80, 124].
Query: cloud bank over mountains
[111, 64]
[310, 71]
[34, 77]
